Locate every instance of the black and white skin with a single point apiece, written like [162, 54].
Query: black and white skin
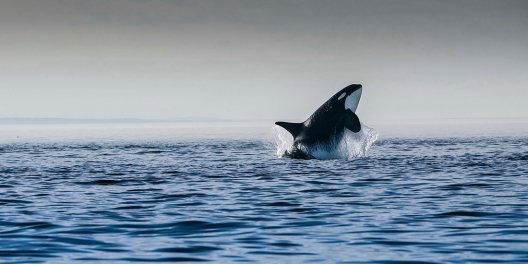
[326, 126]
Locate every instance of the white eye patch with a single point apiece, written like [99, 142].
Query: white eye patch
[341, 96]
[352, 100]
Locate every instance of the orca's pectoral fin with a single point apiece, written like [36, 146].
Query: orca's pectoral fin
[294, 128]
[352, 121]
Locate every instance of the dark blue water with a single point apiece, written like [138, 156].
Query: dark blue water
[429, 200]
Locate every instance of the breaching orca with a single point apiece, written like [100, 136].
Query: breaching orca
[326, 126]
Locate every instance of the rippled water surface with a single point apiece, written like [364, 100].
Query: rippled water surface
[230, 199]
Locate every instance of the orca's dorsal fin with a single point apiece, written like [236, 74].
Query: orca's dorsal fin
[352, 121]
[294, 128]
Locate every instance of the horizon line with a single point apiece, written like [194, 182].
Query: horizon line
[60, 120]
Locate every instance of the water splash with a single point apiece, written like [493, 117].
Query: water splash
[351, 145]
[283, 140]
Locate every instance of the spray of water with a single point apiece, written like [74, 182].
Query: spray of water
[351, 145]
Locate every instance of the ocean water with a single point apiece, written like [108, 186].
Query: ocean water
[218, 192]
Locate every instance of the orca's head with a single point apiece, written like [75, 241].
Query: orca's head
[349, 96]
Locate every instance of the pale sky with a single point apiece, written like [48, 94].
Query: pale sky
[262, 60]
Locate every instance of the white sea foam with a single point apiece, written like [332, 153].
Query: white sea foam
[283, 140]
[351, 145]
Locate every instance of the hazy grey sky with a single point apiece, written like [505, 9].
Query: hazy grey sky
[262, 59]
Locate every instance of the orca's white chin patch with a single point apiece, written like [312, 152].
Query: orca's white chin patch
[352, 100]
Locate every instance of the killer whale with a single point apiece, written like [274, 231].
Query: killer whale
[326, 126]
